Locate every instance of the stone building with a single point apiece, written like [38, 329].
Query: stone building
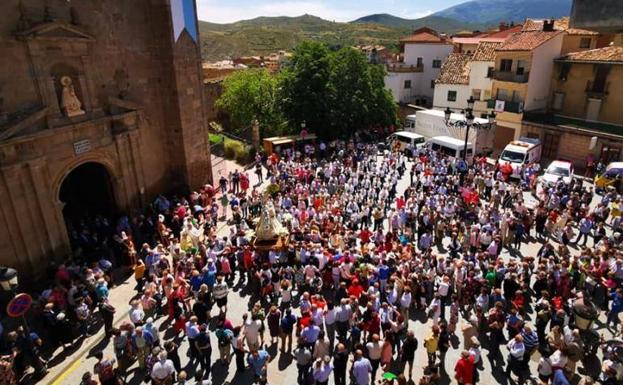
[100, 109]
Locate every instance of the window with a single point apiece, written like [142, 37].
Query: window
[564, 71]
[559, 99]
[502, 94]
[490, 72]
[407, 84]
[432, 83]
[436, 63]
[506, 65]
[476, 94]
[585, 42]
[452, 96]
[420, 62]
[520, 67]
[516, 97]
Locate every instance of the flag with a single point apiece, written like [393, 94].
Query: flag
[184, 18]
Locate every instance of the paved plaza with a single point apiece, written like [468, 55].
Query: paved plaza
[282, 369]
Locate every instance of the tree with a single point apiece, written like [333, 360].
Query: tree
[253, 94]
[351, 88]
[337, 92]
[306, 96]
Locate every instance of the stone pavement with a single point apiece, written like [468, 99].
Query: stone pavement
[282, 370]
[63, 364]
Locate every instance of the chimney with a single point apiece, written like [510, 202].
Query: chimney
[548, 25]
[503, 26]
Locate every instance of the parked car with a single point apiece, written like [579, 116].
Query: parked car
[613, 172]
[558, 170]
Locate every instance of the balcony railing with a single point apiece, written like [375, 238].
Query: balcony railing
[596, 92]
[514, 107]
[401, 67]
[511, 76]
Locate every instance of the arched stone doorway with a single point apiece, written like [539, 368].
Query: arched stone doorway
[88, 198]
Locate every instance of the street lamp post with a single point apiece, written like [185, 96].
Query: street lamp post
[8, 284]
[468, 123]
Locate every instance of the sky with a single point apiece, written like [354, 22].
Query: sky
[228, 11]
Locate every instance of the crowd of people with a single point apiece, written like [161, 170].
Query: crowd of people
[372, 269]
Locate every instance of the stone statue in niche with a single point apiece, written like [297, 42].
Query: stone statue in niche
[69, 101]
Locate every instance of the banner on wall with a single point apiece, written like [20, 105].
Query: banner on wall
[184, 18]
[499, 105]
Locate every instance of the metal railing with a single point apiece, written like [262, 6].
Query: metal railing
[511, 76]
[596, 91]
[401, 67]
[514, 107]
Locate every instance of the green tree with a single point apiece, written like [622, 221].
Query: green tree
[381, 106]
[306, 94]
[351, 88]
[253, 94]
[337, 92]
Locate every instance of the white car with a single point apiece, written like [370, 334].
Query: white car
[555, 171]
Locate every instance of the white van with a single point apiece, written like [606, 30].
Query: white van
[410, 123]
[404, 138]
[451, 147]
[520, 152]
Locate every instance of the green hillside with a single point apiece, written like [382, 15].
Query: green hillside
[264, 35]
[441, 24]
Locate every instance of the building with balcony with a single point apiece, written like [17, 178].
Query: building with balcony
[583, 105]
[469, 43]
[411, 79]
[574, 39]
[466, 75]
[522, 74]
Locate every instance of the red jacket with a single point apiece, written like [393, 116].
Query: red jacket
[464, 370]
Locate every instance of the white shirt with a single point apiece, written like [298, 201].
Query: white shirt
[137, 315]
[162, 370]
[516, 349]
[329, 317]
[475, 352]
[374, 350]
[405, 300]
[252, 330]
[444, 287]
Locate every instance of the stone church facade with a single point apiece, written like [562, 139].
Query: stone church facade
[92, 82]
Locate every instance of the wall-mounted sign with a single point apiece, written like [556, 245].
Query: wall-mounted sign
[82, 146]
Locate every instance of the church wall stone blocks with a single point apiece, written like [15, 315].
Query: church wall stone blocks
[104, 82]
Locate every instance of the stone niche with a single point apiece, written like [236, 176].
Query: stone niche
[61, 61]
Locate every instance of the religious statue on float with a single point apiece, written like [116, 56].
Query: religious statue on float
[268, 227]
[69, 100]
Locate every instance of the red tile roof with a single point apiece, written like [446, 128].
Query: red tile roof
[561, 24]
[425, 35]
[455, 70]
[527, 41]
[486, 51]
[612, 54]
[503, 34]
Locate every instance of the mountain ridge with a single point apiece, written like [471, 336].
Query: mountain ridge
[263, 35]
[493, 11]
